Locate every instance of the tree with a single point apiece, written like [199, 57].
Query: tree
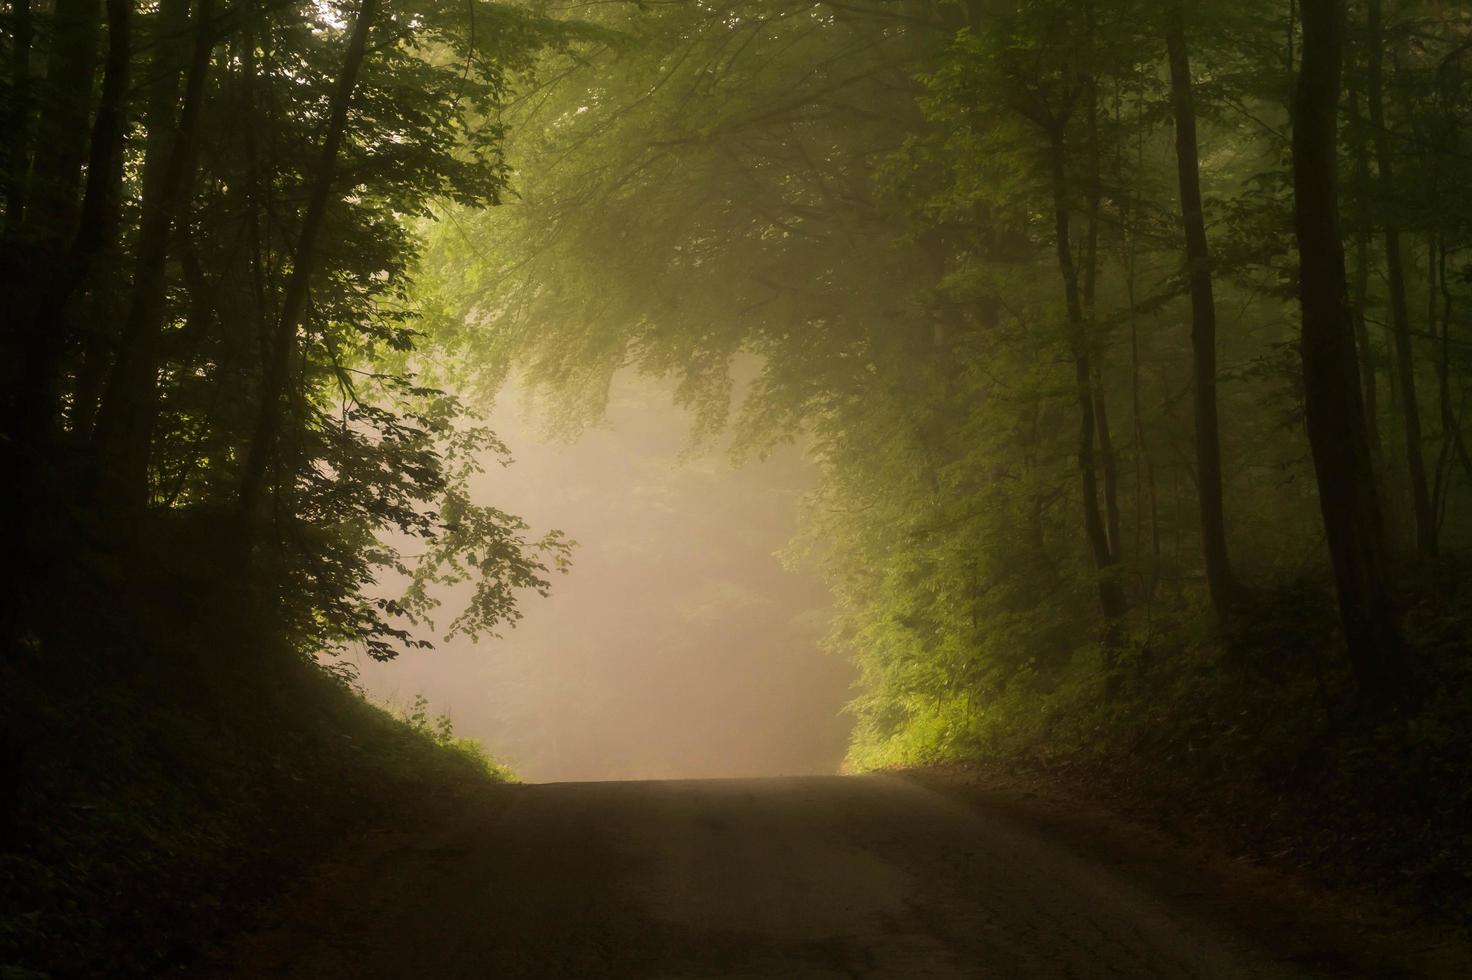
[1405, 368]
[125, 422]
[298, 288]
[38, 272]
[238, 339]
[1333, 406]
[1220, 580]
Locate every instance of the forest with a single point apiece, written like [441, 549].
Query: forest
[1132, 340]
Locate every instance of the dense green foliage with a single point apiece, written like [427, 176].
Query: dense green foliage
[217, 453]
[839, 223]
[209, 320]
[1117, 450]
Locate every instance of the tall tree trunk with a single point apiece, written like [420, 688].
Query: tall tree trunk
[1454, 443]
[171, 59]
[1110, 462]
[37, 275]
[101, 223]
[1220, 581]
[1111, 594]
[17, 145]
[1094, 195]
[1333, 404]
[1363, 228]
[53, 326]
[124, 433]
[298, 288]
[64, 126]
[1405, 364]
[1144, 466]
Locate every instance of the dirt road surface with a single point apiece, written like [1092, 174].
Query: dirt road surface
[825, 877]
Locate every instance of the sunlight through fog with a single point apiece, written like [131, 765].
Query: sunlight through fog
[678, 645]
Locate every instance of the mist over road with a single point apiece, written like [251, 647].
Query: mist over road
[818, 877]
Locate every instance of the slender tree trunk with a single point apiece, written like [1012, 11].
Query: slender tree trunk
[171, 45]
[1363, 228]
[54, 323]
[1220, 581]
[1144, 466]
[16, 149]
[1405, 364]
[64, 126]
[1109, 463]
[98, 229]
[171, 60]
[1437, 329]
[124, 433]
[1333, 403]
[298, 288]
[41, 271]
[1451, 427]
[1111, 595]
[102, 198]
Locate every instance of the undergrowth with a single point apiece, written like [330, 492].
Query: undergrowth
[441, 729]
[172, 763]
[1248, 727]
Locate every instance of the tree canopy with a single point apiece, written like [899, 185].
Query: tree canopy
[1056, 294]
[1025, 279]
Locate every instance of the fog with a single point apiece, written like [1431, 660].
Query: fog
[678, 645]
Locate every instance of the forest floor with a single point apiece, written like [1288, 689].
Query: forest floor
[928, 874]
[1247, 735]
[142, 824]
[172, 774]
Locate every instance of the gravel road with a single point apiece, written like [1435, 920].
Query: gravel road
[843, 877]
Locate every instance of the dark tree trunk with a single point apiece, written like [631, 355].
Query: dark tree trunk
[1333, 404]
[1094, 197]
[100, 203]
[100, 222]
[298, 287]
[53, 326]
[1111, 594]
[16, 150]
[1109, 460]
[97, 232]
[124, 432]
[38, 272]
[1220, 581]
[1454, 445]
[171, 59]
[64, 126]
[170, 41]
[1405, 365]
[1144, 466]
[1362, 234]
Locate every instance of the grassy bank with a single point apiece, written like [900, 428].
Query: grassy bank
[172, 763]
[1245, 731]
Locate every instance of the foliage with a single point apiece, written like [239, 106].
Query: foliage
[441, 729]
[134, 793]
[939, 242]
[355, 453]
[836, 224]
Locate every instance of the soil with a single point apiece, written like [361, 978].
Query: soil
[925, 874]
